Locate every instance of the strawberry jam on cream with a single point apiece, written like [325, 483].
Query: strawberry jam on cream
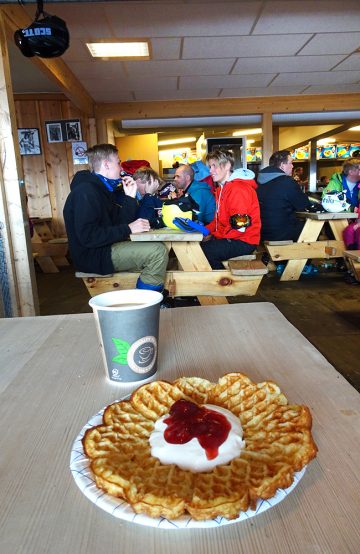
[196, 438]
[188, 420]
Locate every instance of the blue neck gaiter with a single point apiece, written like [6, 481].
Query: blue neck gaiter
[111, 184]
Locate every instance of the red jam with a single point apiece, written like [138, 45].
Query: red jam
[188, 420]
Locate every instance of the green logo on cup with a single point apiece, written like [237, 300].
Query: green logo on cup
[123, 348]
[140, 356]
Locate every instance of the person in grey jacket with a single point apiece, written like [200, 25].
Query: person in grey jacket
[280, 197]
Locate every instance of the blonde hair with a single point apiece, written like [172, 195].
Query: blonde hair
[222, 156]
[144, 174]
[350, 164]
[98, 153]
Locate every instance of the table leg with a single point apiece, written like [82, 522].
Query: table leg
[192, 258]
[310, 233]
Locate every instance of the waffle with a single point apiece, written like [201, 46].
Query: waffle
[277, 437]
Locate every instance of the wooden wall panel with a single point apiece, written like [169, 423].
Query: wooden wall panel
[48, 176]
[36, 186]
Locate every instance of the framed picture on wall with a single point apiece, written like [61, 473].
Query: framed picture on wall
[29, 142]
[54, 132]
[73, 130]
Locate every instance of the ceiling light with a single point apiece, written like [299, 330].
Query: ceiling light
[118, 49]
[357, 128]
[251, 141]
[176, 141]
[246, 132]
[325, 140]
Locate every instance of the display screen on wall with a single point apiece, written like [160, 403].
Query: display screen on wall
[235, 144]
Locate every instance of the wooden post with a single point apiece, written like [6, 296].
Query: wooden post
[20, 274]
[267, 138]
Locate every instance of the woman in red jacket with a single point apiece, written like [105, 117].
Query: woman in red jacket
[235, 229]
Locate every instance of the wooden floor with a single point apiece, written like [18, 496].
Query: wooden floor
[323, 307]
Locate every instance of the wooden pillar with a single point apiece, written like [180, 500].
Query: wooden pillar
[92, 132]
[267, 130]
[19, 277]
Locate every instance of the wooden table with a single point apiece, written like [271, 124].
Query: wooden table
[196, 277]
[52, 382]
[308, 246]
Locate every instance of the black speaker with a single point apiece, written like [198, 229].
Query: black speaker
[47, 38]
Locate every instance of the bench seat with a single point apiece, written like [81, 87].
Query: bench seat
[352, 259]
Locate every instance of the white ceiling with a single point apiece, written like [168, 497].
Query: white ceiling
[208, 49]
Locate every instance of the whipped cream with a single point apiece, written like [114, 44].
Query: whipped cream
[192, 455]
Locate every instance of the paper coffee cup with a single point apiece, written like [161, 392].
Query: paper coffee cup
[128, 328]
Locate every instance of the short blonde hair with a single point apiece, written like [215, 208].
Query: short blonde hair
[222, 156]
[98, 153]
[144, 174]
[350, 164]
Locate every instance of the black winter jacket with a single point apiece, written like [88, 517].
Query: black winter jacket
[94, 222]
[280, 197]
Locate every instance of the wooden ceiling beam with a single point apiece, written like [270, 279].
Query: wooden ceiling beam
[229, 106]
[54, 68]
[334, 131]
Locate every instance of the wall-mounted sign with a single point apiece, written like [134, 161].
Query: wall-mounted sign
[79, 153]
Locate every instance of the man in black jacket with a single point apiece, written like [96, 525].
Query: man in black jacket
[280, 197]
[98, 228]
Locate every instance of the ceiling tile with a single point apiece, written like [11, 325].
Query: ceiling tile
[163, 19]
[165, 48]
[260, 91]
[175, 94]
[180, 67]
[328, 89]
[83, 20]
[97, 69]
[308, 16]
[226, 81]
[240, 46]
[330, 43]
[317, 78]
[352, 63]
[285, 64]
[138, 83]
[113, 95]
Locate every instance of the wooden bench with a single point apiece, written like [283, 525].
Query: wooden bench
[242, 278]
[352, 259]
[49, 255]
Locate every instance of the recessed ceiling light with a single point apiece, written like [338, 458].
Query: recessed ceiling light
[247, 132]
[326, 140]
[118, 49]
[176, 141]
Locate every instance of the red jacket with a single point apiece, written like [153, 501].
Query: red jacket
[237, 196]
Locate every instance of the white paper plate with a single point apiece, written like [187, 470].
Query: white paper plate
[79, 466]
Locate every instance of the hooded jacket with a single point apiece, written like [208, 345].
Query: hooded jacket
[338, 183]
[201, 193]
[280, 197]
[237, 196]
[94, 222]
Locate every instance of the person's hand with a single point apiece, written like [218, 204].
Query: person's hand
[206, 238]
[130, 186]
[139, 226]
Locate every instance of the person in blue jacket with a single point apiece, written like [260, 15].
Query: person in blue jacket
[98, 225]
[148, 183]
[199, 191]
